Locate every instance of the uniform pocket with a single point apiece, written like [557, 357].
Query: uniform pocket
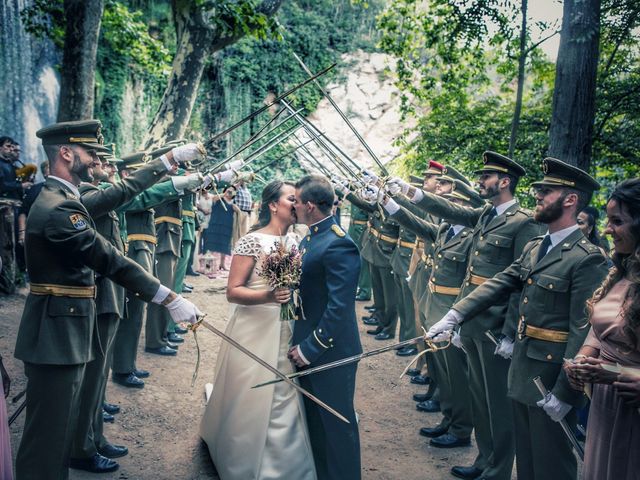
[552, 292]
[69, 307]
[500, 248]
[457, 259]
[543, 351]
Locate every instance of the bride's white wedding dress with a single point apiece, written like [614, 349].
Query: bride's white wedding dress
[256, 433]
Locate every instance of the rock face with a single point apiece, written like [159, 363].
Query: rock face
[366, 94]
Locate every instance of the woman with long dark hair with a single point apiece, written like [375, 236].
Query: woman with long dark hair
[217, 236]
[609, 360]
[258, 433]
[588, 223]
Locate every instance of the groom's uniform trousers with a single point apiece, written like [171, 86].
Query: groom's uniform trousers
[330, 272]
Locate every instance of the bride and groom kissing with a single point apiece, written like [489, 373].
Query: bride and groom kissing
[273, 432]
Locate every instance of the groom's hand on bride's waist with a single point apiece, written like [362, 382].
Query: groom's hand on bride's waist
[296, 356]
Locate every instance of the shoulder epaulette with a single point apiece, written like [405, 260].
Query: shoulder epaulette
[588, 247]
[338, 231]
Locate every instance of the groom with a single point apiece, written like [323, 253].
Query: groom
[328, 331]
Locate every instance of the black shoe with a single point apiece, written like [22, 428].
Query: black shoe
[449, 440]
[375, 331]
[165, 350]
[466, 472]
[141, 373]
[370, 308]
[371, 321]
[127, 380]
[179, 330]
[421, 397]
[192, 273]
[187, 285]
[95, 464]
[107, 417]
[433, 432]
[383, 336]
[110, 408]
[412, 372]
[174, 338]
[173, 346]
[407, 352]
[430, 406]
[113, 451]
[420, 380]
[186, 289]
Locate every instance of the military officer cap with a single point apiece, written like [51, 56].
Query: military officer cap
[415, 181]
[494, 162]
[107, 156]
[560, 174]
[434, 168]
[450, 174]
[133, 161]
[465, 192]
[84, 133]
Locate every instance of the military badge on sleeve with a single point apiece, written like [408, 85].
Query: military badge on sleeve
[78, 221]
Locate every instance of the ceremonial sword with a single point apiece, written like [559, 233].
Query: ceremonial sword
[341, 362]
[563, 423]
[277, 372]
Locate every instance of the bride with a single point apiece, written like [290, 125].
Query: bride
[258, 433]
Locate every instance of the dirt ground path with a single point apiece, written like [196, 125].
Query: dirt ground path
[160, 423]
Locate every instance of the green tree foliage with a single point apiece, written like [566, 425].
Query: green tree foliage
[457, 63]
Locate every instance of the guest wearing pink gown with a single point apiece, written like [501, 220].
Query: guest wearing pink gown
[6, 467]
[613, 432]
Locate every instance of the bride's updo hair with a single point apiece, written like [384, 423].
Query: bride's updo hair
[270, 194]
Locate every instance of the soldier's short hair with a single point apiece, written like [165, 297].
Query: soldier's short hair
[317, 190]
[513, 181]
[583, 198]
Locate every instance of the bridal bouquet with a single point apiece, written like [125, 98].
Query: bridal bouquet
[282, 268]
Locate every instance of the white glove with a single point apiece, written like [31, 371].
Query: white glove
[456, 341]
[554, 407]
[187, 182]
[396, 185]
[505, 348]
[372, 194]
[441, 331]
[235, 165]
[225, 176]
[391, 206]
[182, 310]
[188, 152]
[341, 185]
[369, 177]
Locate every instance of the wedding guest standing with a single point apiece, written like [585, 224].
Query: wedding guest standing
[217, 236]
[613, 433]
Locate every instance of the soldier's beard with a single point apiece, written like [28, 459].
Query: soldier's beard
[489, 192]
[550, 213]
[84, 172]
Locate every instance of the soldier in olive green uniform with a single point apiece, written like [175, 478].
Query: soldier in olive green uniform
[58, 336]
[554, 277]
[450, 257]
[377, 250]
[357, 227]
[501, 231]
[100, 202]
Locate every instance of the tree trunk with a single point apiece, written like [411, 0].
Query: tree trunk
[522, 60]
[574, 95]
[77, 82]
[197, 40]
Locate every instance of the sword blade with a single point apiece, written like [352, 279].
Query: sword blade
[277, 372]
[563, 423]
[343, 361]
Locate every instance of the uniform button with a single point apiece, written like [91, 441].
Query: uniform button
[319, 330]
[434, 279]
[436, 267]
[529, 281]
[497, 242]
[476, 253]
[439, 255]
[551, 286]
[467, 283]
[525, 300]
[71, 309]
[471, 268]
[454, 258]
[308, 239]
[522, 318]
[549, 357]
[481, 237]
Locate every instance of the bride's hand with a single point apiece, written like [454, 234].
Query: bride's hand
[280, 295]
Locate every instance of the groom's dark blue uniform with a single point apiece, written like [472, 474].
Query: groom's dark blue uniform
[328, 332]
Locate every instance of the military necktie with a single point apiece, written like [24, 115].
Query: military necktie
[490, 216]
[544, 247]
[450, 234]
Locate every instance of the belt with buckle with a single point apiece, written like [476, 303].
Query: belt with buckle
[477, 279]
[443, 290]
[404, 244]
[63, 290]
[556, 336]
[143, 237]
[427, 260]
[382, 236]
[419, 244]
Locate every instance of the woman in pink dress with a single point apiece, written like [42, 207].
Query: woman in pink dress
[613, 432]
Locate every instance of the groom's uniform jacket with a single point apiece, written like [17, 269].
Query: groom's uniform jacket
[330, 270]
